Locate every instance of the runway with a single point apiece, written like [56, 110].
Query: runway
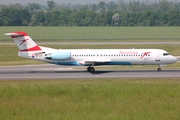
[53, 72]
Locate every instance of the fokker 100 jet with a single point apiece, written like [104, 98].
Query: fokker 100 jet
[90, 57]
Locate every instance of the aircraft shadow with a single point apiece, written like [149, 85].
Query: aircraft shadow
[72, 72]
[98, 72]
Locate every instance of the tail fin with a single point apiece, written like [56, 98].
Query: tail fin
[24, 42]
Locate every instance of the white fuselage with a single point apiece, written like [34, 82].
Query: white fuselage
[95, 57]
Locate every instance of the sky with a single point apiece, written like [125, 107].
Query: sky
[44, 2]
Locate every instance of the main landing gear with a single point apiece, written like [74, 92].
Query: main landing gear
[91, 69]
[159, 69]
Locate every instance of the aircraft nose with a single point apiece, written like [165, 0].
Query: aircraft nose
[174, 59]
[171, 59]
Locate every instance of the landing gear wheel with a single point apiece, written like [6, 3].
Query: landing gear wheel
[159, 69]
[89, 69]
[92, 70]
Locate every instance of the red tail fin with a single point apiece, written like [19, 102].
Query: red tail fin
[24, 42]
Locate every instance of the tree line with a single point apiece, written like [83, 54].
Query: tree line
[133, 13]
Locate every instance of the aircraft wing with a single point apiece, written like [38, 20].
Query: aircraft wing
[97, 61]
[94, 61]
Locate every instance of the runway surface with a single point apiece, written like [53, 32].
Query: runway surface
[44, 72]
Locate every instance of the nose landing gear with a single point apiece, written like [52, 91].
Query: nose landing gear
[159, 69]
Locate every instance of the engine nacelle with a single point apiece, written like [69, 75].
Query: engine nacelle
[59, 56]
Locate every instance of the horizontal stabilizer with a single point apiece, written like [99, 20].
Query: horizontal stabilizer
[16, 34]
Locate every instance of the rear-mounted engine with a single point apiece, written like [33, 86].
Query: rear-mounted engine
[58, 56]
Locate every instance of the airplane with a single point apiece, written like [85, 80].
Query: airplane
[90, 57]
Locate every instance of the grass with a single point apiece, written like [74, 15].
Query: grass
[9, 56]
[96, 33]
[97, 99]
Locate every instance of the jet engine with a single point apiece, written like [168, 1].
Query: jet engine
[58, 56]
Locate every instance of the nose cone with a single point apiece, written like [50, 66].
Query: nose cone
[171, 59]
[174, 59]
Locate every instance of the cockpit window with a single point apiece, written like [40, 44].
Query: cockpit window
[166, 54]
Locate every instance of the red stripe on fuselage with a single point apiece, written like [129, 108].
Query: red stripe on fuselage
[36, 48]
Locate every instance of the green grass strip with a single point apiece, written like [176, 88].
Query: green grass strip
[97, 99]
[95, 33]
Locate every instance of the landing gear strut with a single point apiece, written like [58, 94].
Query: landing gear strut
[91, 69]
[159, 69]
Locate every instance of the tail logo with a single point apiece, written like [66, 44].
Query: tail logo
[23, 41]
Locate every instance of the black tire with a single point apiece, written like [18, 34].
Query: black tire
[89, 69]
[92, 70]
[159, 69]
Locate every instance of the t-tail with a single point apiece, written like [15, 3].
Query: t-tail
[27, 47]
[24, 42]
